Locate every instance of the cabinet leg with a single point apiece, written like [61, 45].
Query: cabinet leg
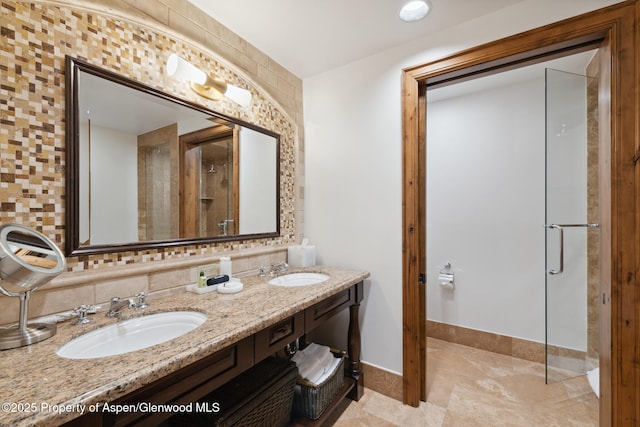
[354, 370]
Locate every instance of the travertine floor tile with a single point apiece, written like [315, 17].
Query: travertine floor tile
[478, 406]
[426, 414]
[567, 413]
[364, 421]
[467, 387]
[528, 388]
[578, 387]
[356, 409]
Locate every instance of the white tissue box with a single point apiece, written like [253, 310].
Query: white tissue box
[302, 256]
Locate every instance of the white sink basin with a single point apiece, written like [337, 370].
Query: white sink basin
[131, 335]
[299, 279]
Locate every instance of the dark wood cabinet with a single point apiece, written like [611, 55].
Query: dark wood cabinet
[276, 337]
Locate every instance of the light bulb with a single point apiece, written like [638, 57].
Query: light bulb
[178, 67]
[414, 10]
[238, 95]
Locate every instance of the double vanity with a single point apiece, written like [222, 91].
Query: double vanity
[213, 338]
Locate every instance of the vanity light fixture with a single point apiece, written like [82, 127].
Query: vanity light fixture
[414, 10]
[204, 85]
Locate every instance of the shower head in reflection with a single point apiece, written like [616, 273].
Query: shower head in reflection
[28, 260]
[212, 168]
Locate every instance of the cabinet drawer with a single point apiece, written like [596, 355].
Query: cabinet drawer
[322, 311]
[274, 338]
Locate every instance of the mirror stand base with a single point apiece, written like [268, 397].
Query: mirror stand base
[14, 337]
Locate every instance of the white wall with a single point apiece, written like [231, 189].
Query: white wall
[114, 176]
[83, 184]
[257, 177]
[485, 209]
[257, 182]
[353, 161]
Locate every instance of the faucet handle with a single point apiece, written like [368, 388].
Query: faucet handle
[82, 312]
[141, 300]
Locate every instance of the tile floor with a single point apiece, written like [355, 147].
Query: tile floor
[471, 387]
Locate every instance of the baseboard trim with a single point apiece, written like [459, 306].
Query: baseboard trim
[382, 381]
[502, 344]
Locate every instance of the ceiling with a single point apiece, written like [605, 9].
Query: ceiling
[310, 37]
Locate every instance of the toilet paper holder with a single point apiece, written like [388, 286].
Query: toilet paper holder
[446, 277]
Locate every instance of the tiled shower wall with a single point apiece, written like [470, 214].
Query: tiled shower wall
[116, 35]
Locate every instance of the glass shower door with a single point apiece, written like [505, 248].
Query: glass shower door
[570, 223]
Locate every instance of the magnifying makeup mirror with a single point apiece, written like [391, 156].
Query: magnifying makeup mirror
[28, 260]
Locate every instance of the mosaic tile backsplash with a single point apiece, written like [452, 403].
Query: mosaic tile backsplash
[34, 39]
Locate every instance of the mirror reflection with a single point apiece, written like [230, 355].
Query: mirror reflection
[152, 170]
[31, 250]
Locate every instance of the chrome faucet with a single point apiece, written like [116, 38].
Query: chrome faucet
[117, 305]
[280, 267]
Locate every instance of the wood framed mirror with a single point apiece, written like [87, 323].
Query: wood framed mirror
[146, 169]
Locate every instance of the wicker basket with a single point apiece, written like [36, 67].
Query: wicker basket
[261, 396]
[273, 411]
[310, 400]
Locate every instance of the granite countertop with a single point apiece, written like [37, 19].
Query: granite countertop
[37, 387]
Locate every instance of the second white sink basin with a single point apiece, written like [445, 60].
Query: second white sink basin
[299, 279]
[131, 335]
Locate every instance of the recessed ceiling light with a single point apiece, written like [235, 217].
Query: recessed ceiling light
[414, 10]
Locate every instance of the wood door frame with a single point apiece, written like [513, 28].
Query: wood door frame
[612, 29]
[189, 161]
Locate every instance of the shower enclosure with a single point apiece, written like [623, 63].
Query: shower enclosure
[571, 225]
[216, 210]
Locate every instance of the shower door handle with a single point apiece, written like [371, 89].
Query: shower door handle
[561, 268]
[560, 228]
